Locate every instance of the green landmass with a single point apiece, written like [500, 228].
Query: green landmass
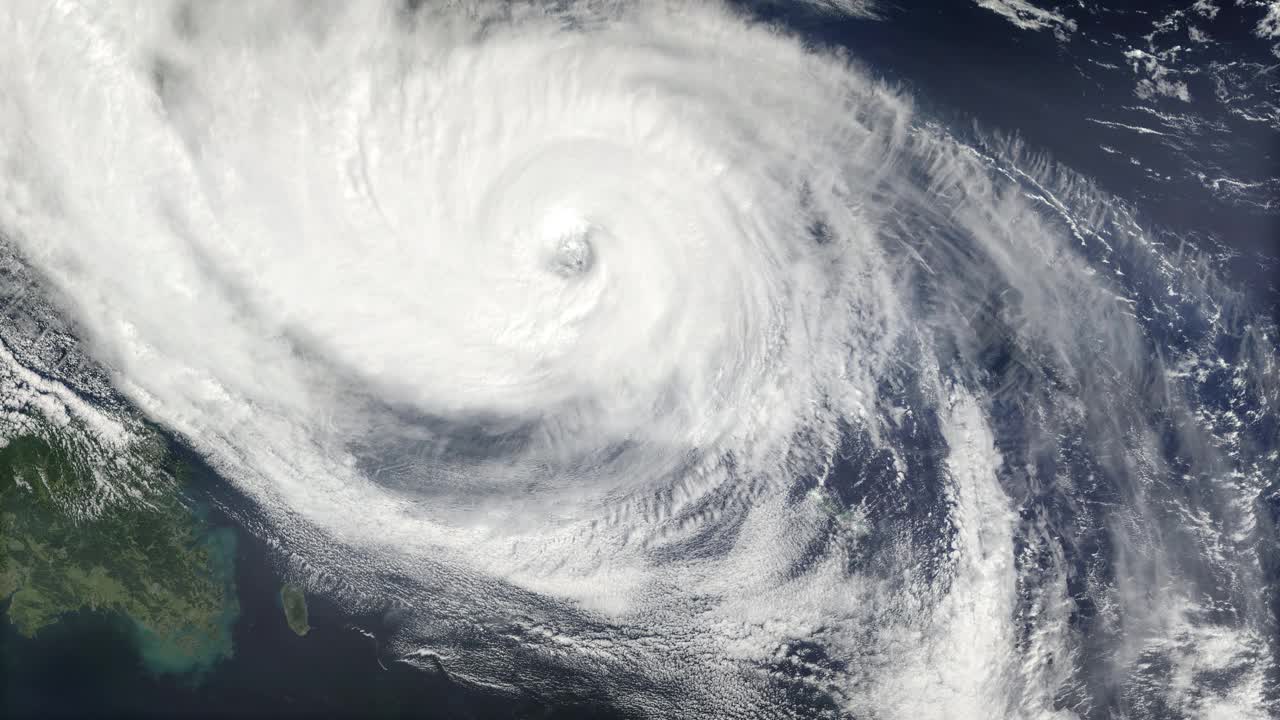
[148, 557]
[295, 608]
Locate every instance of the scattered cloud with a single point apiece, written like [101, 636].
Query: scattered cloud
[1161, 79]
[1269, 25]
[1206, 8]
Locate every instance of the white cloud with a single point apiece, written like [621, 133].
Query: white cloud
[869, 9]
[1161, 80]
[1031, 17]
[1269, 25]
[1206, 8]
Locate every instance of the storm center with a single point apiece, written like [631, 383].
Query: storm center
[573, 255]
[571, 250]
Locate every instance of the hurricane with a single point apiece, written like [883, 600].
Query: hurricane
[648, 355]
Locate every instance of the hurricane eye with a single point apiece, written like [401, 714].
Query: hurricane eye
[573, 254]
[569, 241]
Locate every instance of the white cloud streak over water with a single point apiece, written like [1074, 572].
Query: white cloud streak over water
[1029, 16]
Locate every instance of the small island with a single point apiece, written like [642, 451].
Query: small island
[295, 608]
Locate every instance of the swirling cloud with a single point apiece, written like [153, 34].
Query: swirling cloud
[568, 315]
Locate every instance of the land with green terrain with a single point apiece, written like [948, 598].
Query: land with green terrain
[295, 608]
[146, 555]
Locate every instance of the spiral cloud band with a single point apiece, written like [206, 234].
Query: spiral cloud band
[647, 345]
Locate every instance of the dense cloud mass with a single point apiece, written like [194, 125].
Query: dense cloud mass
[644, 355]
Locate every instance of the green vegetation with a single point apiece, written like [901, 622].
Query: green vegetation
[295, 608]
[143, 554]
